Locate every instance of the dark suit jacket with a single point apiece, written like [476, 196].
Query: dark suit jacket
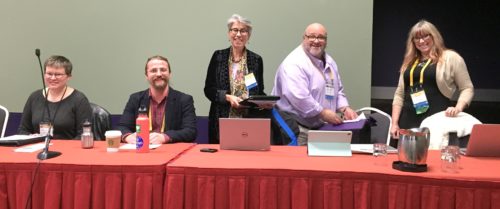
[217, 86]
[180, 116]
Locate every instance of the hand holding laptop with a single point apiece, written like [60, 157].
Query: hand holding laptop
[260, 101]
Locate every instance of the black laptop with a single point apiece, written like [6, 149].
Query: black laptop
[20, 140]
[254, 101]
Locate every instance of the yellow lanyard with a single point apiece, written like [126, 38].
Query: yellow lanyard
[151, 120]
[421, 72]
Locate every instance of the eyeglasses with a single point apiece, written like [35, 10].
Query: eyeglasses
[156, 70]
[424, 37]
[241, 31]
[314, 38]
[56, 75]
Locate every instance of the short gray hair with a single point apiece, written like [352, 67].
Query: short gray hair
[238, 18]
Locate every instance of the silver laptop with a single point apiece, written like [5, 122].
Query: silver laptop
[484, 141]
[250, 134]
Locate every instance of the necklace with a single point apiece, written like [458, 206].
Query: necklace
[235, 60]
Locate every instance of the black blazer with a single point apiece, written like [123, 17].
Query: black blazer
[217, 86]
[180, 116]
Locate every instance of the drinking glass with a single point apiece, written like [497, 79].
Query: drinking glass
[450, 157]
[379, 150]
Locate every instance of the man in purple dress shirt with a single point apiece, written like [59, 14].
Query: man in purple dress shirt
[309, 85]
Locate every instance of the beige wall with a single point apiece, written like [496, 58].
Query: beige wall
[108, 42]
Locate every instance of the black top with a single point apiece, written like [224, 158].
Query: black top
[437, 101]
[217, 86]
[73, 111]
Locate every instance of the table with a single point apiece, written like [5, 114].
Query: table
[86, 178]
[286, 177]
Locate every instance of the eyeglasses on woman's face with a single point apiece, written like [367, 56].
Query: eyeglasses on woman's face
[242, 31]
[422, 37]
[54, 75]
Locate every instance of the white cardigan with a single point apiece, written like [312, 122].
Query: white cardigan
[451, 75]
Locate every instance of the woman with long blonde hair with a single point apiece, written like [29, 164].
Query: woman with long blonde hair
[429, 77]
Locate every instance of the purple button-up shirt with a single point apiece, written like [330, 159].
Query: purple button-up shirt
[301, 83]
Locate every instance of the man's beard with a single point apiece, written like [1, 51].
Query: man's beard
[316, 51]
[161, 86]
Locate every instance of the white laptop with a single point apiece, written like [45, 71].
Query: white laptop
[329, 143]
[368, 148]
[250, 134]
[484, 141]
[385, 122]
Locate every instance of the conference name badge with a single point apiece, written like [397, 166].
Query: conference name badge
[250, 81]
[329, 91]
[420, 102]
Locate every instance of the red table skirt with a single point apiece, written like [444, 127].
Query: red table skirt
[284, 189]
[86, 178]
[110, 187]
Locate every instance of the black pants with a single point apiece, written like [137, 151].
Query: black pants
[278, 134]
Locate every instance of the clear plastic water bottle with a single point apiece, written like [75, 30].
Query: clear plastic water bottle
[87, 135]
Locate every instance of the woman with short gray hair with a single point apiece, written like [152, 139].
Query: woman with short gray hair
[227, 72]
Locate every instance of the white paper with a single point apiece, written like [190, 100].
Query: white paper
[360, 117]
[133, 146]
[31, 148]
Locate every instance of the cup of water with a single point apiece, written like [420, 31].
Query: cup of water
[450, 157]
[379, 150]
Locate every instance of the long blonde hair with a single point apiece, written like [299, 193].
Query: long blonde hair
[423, 27]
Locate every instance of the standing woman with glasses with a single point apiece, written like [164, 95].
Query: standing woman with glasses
[233, 74]
[430, 75]
[59, 104]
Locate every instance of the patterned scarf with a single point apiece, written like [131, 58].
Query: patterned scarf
[237, 72]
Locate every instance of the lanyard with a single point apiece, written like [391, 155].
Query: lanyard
[51, 120]
[324, 77]
[421, 72]
[151, 120]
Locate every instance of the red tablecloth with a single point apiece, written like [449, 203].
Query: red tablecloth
[286, 177]
[86, 178]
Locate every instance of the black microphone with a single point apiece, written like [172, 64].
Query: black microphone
[45, 153]
[37, 53]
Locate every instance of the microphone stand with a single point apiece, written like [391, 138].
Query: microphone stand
[45, 153]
